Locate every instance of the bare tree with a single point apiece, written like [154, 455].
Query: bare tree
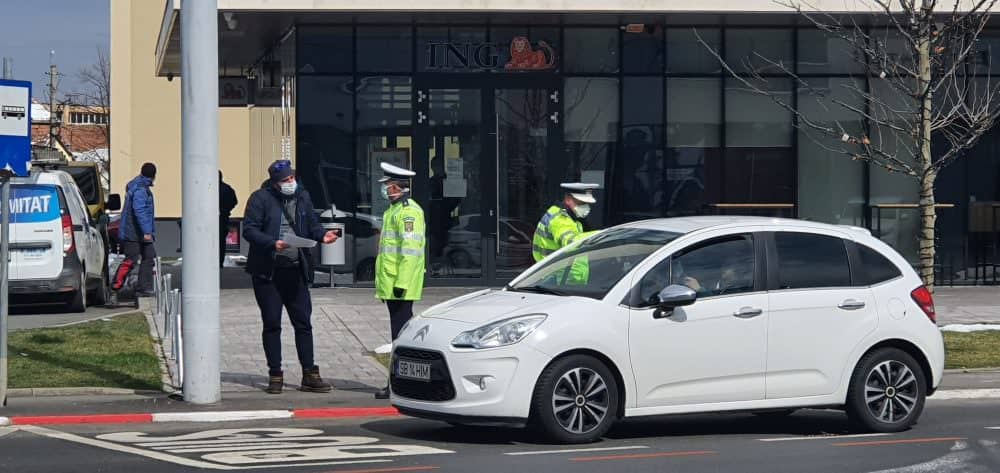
[96, 97]
[917, 89]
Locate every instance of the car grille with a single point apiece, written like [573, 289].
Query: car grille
[439, 388]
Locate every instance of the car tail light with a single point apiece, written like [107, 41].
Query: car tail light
[925, 300]
[67, 226]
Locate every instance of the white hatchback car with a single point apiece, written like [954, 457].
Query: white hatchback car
[669, 316]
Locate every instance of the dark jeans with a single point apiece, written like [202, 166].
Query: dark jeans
[399, 313]
[134, 251]
[289, 290]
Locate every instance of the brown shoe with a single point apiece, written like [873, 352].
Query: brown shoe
[275, 384]
[313, 383]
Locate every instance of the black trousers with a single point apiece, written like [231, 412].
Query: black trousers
[286, 289]
[134, 253]
[399, 313]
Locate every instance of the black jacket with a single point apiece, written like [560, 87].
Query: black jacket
[262, 223]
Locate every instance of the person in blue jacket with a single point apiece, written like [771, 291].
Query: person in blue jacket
[137, 232]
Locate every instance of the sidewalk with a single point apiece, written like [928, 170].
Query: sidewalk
[349, 324]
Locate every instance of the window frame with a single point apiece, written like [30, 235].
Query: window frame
[774, 276]
[760, 272]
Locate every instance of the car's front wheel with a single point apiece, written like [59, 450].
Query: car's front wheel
[575, 400]
[887, 391]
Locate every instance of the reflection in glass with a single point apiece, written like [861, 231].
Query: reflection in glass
[643, 52]
[454, 218]
[687, 55]
[759, 50]
[591, 50]
[385, 49]
[641, 192]
[759, 165]
[825, 53]
[590, 131]
[324, 50]
[694, 127]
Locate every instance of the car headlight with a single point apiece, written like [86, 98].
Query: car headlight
[498, 334]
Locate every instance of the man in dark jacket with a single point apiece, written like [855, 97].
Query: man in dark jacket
[281, 273]
[138, 232]
[227, 202]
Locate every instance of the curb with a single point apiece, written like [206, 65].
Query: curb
[206, 416]
[54, 392]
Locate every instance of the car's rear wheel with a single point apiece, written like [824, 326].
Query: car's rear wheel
[102, 292]
[78, 302]
[887, 391]
[575, 400]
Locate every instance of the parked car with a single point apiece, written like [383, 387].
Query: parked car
[465, 241]
[685, 315]
[57, 252]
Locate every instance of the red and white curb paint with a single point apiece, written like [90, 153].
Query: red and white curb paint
[205, 416]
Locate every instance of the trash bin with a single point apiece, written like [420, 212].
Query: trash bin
[334, 254]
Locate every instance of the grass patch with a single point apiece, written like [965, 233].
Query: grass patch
[113, 354]
[972, 350]
[382, 358]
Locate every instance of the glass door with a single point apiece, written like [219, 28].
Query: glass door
[482, 152]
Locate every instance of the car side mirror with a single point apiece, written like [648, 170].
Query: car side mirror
[114, 202]
[673, 296]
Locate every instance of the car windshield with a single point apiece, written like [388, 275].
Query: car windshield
[593, 267]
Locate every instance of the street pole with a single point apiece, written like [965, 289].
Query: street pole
[200, 200]
[5, 257]
[53, 75]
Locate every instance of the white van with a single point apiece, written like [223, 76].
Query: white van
[57, 253]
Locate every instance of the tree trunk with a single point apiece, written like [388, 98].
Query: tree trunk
[928, 215]
[928, 219]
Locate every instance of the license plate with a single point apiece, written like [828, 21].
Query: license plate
[413, 370]
[33, 253]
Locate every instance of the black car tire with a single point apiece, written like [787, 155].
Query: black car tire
[102, 292]
[584, 398]
[78, 301]
[887, 392]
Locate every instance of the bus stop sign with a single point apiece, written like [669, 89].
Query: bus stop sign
[15, 126]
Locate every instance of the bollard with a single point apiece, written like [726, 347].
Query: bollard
[178, 336]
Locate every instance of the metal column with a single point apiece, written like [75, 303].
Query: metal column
[200, 194]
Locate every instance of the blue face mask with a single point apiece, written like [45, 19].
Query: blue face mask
[385, 192]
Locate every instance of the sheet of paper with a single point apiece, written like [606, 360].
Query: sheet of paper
[297, 242]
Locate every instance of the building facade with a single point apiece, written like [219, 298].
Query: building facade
[494, 108]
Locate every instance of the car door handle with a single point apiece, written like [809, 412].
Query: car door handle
[852, 304]
[748, 312]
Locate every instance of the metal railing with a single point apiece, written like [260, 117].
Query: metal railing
[168, 309]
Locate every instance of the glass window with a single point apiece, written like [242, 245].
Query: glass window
[590, 131]
[759, 50]
[325, 125]
[324, 50]
[987, 57]
[591, 50]
[717, 268]
[759, 156]
[641, 193]
[834, 181]
[384, 102]
[643, 52]
[694, 129]
[686, 54]
[541, 39]
[825, 53]
[594, 266]
[875, 268]
[808, 260]
[385, 49]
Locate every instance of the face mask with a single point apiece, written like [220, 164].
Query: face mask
[385, 192]
[582, 210]
[288, 188]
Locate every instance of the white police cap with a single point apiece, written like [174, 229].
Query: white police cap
[395, 173]
[581, 191]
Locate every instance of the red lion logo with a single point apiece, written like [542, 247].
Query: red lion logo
[524, 58]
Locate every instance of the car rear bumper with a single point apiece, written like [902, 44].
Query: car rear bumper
[60, 287]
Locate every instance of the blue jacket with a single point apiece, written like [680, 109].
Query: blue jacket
[262, 223]
[137, 215]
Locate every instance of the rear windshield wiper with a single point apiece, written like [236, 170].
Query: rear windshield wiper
[539, 289]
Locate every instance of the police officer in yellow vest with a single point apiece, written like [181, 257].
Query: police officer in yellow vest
[562, 224]
[399, 268]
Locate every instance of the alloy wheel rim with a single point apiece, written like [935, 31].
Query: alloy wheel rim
[891, 392]
[580, 400]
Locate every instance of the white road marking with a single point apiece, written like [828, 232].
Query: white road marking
[4, 421]
[993, 428]
[965, 394]
[7, 430]
[820, 437]
[575, 450]
[220, 416]
[959, 461]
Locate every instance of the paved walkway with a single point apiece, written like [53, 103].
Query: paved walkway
[349, 324]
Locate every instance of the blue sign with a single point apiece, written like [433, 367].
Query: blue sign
[32, 203]
[15, 126]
